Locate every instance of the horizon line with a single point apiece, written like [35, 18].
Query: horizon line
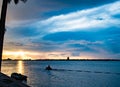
[61, 60]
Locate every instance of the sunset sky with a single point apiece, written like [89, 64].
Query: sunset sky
[55, 29]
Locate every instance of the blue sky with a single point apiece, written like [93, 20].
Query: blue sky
[81, 29]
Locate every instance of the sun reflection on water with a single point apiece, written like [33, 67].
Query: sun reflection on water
[20, 67]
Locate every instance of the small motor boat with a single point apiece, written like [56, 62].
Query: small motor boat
[48, 68]
[19, 77]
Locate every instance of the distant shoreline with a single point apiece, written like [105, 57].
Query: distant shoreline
[63, 60]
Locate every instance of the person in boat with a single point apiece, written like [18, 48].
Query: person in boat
[48, 68]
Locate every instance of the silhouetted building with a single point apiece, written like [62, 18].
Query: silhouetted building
[68, 58]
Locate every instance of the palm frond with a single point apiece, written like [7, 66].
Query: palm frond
[24, 1]
[9, 1]
[16, 1]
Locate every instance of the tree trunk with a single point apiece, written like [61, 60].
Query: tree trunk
[2, 27]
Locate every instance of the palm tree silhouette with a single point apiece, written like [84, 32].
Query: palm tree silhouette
[2, 24]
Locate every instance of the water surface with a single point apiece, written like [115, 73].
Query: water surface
[67, 73]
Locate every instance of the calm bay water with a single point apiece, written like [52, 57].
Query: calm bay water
[67, 73]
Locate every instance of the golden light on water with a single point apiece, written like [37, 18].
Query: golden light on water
[20, 67]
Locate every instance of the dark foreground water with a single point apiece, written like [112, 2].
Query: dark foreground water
[67, 73]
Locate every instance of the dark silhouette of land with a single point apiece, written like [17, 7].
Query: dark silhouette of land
[6, 81]
[77, 60]
[62, 60]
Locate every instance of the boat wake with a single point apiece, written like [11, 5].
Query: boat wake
[87, 71]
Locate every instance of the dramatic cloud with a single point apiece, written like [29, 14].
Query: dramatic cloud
[95, 18]
[84, 19]
[40, 9]
[81, 29]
